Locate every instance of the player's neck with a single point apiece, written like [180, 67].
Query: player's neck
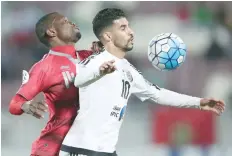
[116, 51]
[60, 43]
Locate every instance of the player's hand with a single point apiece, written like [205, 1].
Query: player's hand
[35, 109]
[107, 67]
[97, 46]
[210, 104]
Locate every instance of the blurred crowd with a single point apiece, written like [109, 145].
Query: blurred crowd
[20, 47]
[205, 27]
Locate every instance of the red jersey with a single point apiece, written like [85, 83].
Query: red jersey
[54, 76]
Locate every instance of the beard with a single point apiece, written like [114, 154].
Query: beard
[76, 36]
[128, 47]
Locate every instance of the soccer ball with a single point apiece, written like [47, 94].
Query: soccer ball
[166, 51]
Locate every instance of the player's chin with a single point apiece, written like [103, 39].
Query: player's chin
[77, 36]
[129, 47]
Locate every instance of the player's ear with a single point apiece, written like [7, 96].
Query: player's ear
[107, 36]
[51, 32]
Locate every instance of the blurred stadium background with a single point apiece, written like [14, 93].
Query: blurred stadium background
[148, 129]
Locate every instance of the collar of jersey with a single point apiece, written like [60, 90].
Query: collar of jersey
[68, 49]
[114, 57]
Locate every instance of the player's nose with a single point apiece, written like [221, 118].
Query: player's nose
[74, 25]
[131, 32]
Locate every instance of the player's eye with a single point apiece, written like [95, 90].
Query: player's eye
[66, 21]
[123, 27]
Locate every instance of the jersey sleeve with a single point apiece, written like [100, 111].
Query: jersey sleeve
[83, 54]
[16, 104]
[145, 90]
[34, 82]
[88, 71]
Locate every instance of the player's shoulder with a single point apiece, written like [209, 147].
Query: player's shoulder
[94, 59]
[41, 65]
[102, 56]
[83, 54]
[132, 67]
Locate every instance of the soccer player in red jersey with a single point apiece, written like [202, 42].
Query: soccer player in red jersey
[54, 76]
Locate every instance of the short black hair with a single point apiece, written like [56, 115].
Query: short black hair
[105, 18]
[41, 27]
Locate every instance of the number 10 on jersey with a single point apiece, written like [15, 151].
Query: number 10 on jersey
[125, 89]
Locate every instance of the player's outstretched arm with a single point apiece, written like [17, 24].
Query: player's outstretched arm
[145, 90]
[87, 75]
[169, 98]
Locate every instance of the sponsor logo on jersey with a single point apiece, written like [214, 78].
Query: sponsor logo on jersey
[115, 112]
[116, 108]
[25, 77]
[122, 113]
[118, 112]
[64, 67]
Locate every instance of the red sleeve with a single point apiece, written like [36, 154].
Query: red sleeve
[34, 81]
[15, 104]
[83, 54]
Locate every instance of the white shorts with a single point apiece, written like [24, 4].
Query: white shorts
[62, 153]
[73, 151]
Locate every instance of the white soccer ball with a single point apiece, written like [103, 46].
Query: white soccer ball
[166, 51]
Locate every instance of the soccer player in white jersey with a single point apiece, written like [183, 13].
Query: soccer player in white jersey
[103, 97]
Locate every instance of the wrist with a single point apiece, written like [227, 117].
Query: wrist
[25, 106]
[98, 73]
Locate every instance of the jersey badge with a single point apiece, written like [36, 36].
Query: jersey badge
[25, 77]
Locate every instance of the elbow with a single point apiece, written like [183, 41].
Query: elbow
[15, 106]
[11, 110]
[15, 111]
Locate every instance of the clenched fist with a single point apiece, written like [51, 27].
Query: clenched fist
[97, 47]
[107, 67]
